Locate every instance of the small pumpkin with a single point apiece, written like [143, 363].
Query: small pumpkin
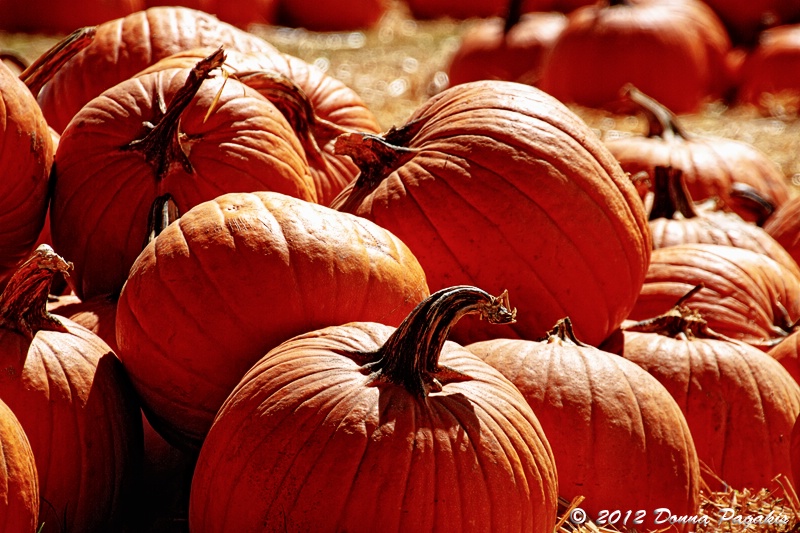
[19, 495]
[784, 226]
[712, 166]
[124, 46]
[787, 353]
[235, 277]
[604, 418]
[607, 45]
[365, 427]
[735, 397]
[747, 20]
[214, 136]
[75, 403]
[498, 184]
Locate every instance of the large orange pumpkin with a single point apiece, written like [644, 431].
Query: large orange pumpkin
[618, 437]
[26, 155]
[215, 136]
[75, 403]
[769, 73]
[235, 277]
[497, 184]
[364, 427]
[736, 398]
[124, 46]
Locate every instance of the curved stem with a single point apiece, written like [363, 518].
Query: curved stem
[23, 303]
[163, 212]
[161, 145]
[44, 68]
[563, 331]
[748, 195]
[410, 357]
[670, 195]
[661, 121]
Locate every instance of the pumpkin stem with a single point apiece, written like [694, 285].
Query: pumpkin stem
[563, 332]
[162, 145]
[661, 122]
[410, 357]
[44, 68]
[163, 212]
[747, 195]
[376, 157]
[513, 15]
[670, 195]
[680, 320]
[23, 303]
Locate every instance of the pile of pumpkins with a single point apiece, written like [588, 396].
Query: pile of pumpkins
[223, 286]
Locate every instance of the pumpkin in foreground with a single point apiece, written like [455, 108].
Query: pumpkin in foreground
[364, 427]
[498, 184]
[19, 483]
[618, 437]
[736, 398]
[236, 276]
[75, 403]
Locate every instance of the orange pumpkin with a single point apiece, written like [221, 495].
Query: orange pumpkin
[366, 427]
[476, 183]
[19, 495]
[769, 74]
[238, 275]
[57, 17]
[75, 403]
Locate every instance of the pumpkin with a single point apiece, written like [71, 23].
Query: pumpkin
[215, 136]
[512, 49]
[19, 495]
[235, 277]
[784, 226]
[747, 295]
[476, 184]
[605, 418]
[735, 397]
[455, 9]
[26, 155]
[57, 17]
[675, 219]
[331, 16]
[75, 403]
[124, 46]
[712, 166]
[318, 106]
[242, 14]
[674, 50]
[98, 315]
[365, 427]
[795, 451]
[769, 73]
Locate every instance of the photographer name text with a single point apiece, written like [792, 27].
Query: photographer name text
[663, 516]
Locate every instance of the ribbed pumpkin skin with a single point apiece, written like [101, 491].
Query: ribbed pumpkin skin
[73, 399]
[736, 399]
[787, 353]
[723, 229]
[304, 443]
[742, 295]
[235, 277]
[26, 154]
[98, 315]
[103, 192]
[605, 418]
[122, 47]
[19, 485]
[483, 201]
[607, 46]
[331, 100]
